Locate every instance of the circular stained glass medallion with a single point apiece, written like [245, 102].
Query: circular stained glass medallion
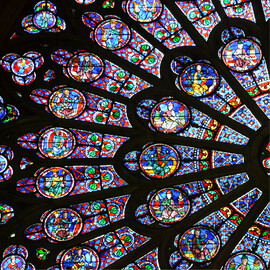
[13, 262]
[199, 80]
[44, 20]
[67, 103]
[85, 67]
[63, 224]
[266, 163]
[77, 256]
[3, 112]
[112, 34]
[245, 260]
[199, 244]
[144, 10]
[170, 116]
[169, 205]
[23, 66]
[56, 143]
[242, 55]
[3, 163]
[159, 161]
[55, 182]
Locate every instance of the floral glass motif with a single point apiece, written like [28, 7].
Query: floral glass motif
[150, 260]
[44, 18]
[49, 75]
[23, 68]
[25, 163]
[202, 14]
[239, 9]
[42, 254]
[108, 4]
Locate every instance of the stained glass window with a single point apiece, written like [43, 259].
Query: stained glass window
[134, 134]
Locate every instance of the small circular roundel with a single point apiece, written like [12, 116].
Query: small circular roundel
[63, 224]
[159, 161]
[170, 116]
[144, 10]
[85, 67]
[169, 205]
[242, 55]
[71, 258]
[112, 34]
[199, 244]
[56, 143]
[67, 103]
[199, 80]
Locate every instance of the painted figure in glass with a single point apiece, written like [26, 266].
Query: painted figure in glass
[170, 116]
[169, 205]
[243, 60]
[22, 66]
[80, 259]
[199, 244]
[63, 224]
[55, 185]
[159, 161]
[199, 80]
[67, 103]
[245, 261]
[242, 55]
[112, 35]
[58, 144]
[144, 9]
